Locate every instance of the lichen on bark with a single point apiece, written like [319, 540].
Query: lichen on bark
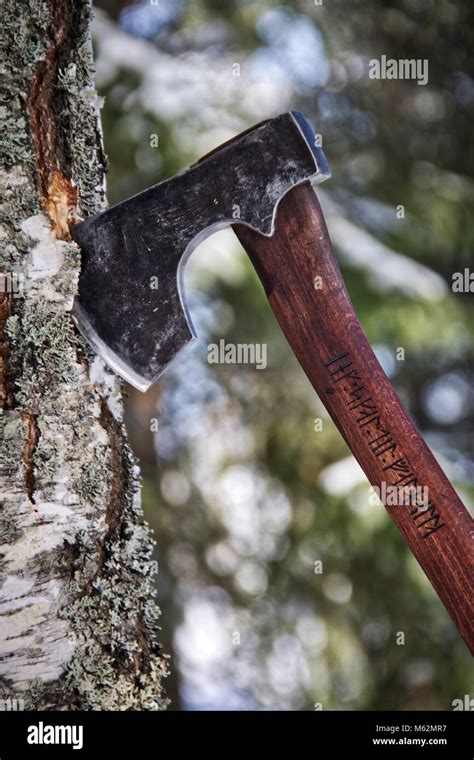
[78, 621]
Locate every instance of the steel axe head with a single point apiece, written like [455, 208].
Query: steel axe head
[131, 306]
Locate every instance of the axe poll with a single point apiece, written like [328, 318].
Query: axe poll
[266, 173]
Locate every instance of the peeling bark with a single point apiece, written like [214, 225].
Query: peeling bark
[78, 623]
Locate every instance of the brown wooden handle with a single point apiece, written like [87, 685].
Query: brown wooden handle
[323, 330]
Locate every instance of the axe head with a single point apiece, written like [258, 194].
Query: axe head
[130, 305]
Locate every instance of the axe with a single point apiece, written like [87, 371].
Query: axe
[260, 183]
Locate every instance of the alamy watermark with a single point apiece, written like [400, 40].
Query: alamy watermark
[400, 496]
[237, 353]
[463, 282]
[42, 733]
[466, 703]
[405, 68]
[11, 704]
[12, 283]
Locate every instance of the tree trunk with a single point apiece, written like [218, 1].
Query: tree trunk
[77, 618]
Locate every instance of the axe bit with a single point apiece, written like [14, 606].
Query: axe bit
[266, 174]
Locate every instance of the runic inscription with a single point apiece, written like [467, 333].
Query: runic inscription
[393, 463]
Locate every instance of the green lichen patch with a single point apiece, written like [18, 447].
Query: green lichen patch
[11, 466]
[118, 664]
[43, 352]
[11, 435]
[93, 483]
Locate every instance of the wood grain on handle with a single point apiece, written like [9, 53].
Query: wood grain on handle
[328, 341]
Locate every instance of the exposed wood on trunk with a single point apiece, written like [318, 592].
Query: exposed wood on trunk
[6, 398]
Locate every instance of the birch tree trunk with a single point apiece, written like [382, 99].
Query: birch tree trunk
[77, 617]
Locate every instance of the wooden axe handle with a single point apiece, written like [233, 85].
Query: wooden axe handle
[319, 322]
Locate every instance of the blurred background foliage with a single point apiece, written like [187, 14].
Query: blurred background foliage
[245, 496]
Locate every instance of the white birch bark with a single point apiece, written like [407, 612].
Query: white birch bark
[77, 616]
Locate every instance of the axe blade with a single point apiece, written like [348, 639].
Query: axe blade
[131, 305]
